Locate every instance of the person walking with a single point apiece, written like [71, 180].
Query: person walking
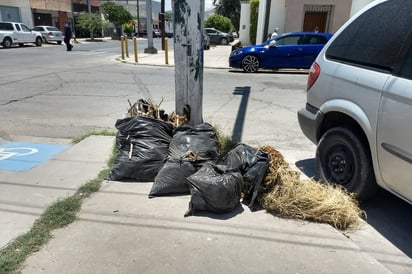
[67, 36]
[275, 33]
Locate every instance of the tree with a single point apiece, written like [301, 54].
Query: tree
[116, 14]
[219, 22]
[229, 9]
[89, 22]
[254, 6]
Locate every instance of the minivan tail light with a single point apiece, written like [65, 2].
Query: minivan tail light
[313, 75]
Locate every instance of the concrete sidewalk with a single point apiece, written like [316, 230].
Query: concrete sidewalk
[120, 230]
[216, 57]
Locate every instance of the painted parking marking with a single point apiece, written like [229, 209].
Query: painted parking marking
[18, 156]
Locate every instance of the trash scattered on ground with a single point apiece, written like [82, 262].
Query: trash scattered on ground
[182, 159]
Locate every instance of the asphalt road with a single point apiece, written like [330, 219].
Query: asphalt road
[48, 94]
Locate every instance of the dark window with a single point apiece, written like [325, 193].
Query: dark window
[375, 38]
[6, 26]
[17, 27]
[405, 67]
[290, 40]
[313, 39]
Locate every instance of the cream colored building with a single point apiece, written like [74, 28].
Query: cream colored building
[297, 15]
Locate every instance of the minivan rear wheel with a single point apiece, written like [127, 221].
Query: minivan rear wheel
[343, 158]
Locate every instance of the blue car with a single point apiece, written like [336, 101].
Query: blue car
[289, 50]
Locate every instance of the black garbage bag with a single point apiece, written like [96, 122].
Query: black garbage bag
[143, 144]
[200, 141]
[215, 188]
[190, 147]
[172, 178]
[253, 164]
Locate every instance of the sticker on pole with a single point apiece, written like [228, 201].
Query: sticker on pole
[17, 156]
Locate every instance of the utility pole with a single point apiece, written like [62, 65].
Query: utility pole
[162, 22]
[138, 17]
[150, 48]
[188, 55]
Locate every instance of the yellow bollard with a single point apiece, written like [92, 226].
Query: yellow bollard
[122, 45]
[127, 46]
[166, 51]
[135, 48]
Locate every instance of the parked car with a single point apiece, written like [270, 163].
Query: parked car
[50, 34]
[359, 102]
[289, 50]
[18, 33]
[218, 37]
[206, 41]
[157, 33]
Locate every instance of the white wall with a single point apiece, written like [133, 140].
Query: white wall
[358, 5]
[244, 30]
[277, 16]
[24, 8]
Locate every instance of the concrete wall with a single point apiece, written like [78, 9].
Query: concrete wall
[295, 13]
[277, 16]
[57, 5]
[24, 10]
[358, 5]
[244, 23]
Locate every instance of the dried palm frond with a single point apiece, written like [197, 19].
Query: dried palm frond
[284, 193]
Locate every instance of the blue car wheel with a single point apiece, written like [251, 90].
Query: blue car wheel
[250, 63]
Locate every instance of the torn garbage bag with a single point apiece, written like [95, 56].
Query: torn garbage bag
[215, 188]
[142, 144]
[253, 165]
[190, 147]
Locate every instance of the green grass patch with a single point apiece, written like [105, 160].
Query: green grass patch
[60, 214]
[105, 132]
[226, 143]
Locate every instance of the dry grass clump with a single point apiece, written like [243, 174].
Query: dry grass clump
[150, 109]
[284, 193]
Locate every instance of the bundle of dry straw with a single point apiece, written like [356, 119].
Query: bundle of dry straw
[285, 194]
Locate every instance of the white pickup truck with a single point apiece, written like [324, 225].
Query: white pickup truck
[18, 33]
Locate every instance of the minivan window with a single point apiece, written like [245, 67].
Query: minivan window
[371, 40]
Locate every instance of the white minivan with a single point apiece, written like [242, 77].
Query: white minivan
[359, 102]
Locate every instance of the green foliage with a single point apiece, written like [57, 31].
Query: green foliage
[229, 9]
[219, 22]
[128, 28]
[168, 15]
[254, 12]
[116, 14]
[90, 23]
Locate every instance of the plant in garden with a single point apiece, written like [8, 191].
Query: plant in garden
[219, 22]
[254, 7]
[116, 14]
[229, 9]
[91, 23]
[128, 28]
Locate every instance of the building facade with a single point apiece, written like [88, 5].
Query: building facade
[16, 11]
[297, 15]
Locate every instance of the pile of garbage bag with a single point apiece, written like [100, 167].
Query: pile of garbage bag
[181, 159]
